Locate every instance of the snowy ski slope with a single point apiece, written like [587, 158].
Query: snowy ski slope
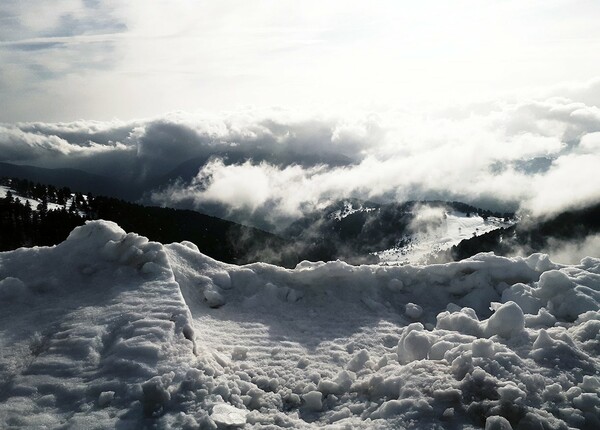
[108, 330]
[456, 226]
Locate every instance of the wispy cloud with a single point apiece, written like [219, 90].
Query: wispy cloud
[571, 252]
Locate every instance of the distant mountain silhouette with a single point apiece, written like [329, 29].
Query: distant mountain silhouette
[75, 179]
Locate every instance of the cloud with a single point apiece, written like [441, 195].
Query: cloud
[572, 181]
[68, 59]
[156, 146]
[587, 92]
[259, 191]
[17, 145]
[572, 252]
[427, 218]
[493, 157]
[273, 165]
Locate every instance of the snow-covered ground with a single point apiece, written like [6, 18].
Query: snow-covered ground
[423, 243]
[349, 209]
[108, 330]
[34, 203]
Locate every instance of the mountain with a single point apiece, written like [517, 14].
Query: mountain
[394, 233]
[109, 330]
[23, 223]
[75, 179]
[570, 226]
[221, 239]
[431, 231]
[142, 181]
[351, 230]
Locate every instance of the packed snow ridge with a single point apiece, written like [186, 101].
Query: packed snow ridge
[110, 330]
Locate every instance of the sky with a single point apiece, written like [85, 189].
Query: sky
[102, 59]
[492, 101]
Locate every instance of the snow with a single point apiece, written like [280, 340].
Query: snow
[413, 311]
[34, 203]
[108, 329]
[427, 239]
[227, 415]
[349, 209]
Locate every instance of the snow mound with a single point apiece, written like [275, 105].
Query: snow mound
[108, 329]
[103, 315]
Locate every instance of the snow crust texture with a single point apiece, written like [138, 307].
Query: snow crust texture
[109, 330]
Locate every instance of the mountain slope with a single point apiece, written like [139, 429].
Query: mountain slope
[221, 239]
[358, 231]
[571, 226]
[61, 211]
[77, 180]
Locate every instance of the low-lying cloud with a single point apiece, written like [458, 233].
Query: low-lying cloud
[543, 164]
[272, 166]
[427, 218]
[571, 252]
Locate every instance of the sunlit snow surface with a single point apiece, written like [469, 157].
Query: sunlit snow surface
[34, 203]
[455, 227]
[109, 330]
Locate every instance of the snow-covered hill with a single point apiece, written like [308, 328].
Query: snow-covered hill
[392, 233]
[351, 230]
[450, 229]
[34, 203]
[109, 330]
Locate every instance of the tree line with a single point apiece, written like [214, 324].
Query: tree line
[22, 224]
[58, 211]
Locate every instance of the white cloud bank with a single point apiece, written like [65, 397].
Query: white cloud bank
[572, 252]
[539, 155]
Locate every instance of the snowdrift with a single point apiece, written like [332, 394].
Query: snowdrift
[110, 330]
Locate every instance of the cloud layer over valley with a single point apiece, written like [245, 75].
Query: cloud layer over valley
[537, 155]
[281, 107]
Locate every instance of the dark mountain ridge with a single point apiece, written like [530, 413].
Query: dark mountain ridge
[23, 225]
[349, 229]
[76, 180]
[573, 225]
